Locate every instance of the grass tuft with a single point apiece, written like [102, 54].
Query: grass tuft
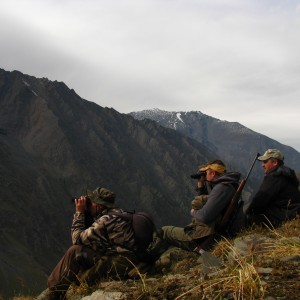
[239, 280]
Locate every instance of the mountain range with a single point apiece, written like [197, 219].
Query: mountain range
[54, 145]
[230, 141]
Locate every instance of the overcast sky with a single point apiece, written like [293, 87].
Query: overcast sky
[236, 60]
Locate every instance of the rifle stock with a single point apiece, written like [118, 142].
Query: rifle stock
[232, 204]
[234, 201]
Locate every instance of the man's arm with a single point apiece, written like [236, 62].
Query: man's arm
[217, 200]
[77, 227]
[80, 234]
[202, 186]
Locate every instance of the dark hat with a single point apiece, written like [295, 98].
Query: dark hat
[102, 196]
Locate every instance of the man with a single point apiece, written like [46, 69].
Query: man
[278, 198]
[207, 209]
[86, 259]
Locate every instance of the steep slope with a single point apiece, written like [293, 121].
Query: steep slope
[54, 145]
[231, 141]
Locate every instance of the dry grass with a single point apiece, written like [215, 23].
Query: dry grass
[239, 279]
[282, 248]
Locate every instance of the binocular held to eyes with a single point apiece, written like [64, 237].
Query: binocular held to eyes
[198, 175]
[89, 219]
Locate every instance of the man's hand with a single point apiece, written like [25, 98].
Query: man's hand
[200, 182]
[80, 204]
[199, 201]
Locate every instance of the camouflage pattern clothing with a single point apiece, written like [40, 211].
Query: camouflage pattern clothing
[97, 251]
[105, 234]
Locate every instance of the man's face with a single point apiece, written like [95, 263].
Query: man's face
[95, 209]
[210, 175]
[269, 165]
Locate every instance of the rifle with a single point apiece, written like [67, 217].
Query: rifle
[235, 198]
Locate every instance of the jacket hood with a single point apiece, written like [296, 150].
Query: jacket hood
[230, 177]
[286, 172]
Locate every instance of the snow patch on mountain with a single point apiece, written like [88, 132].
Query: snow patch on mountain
[179, 117]
[28, 85]
[184, 120]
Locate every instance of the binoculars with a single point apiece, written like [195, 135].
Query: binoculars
[198, 175]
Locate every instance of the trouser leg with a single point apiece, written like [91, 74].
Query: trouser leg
[158, 246]
[65, 273]
[115, 266]
[177, 237]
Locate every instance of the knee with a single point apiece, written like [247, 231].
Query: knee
[163, 231]
[76, 252]
[167, 231]
[74, 249]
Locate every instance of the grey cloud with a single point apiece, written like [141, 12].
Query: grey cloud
[224, 59]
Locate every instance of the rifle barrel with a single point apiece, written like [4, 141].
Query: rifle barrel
[257, 155]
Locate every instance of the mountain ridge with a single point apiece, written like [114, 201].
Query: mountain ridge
[231, 141]
[54, 145]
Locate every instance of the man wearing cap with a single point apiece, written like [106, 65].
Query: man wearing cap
[278, 198]
[206, 209]
[109, 234]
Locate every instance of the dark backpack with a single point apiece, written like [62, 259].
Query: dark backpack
[143, 227]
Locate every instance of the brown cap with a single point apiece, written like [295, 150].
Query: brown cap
[214, 166]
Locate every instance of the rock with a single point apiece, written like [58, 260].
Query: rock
[101, 295]
[261, 270]
[248, 245]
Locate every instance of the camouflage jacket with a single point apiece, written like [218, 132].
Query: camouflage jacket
[107, 234]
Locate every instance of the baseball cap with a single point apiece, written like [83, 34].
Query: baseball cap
[271, 153]
[214, 166]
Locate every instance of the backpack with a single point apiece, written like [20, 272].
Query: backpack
[143, 227]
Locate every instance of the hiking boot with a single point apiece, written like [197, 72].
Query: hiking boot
[158, 246]
[50, 295]
[163, 263]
